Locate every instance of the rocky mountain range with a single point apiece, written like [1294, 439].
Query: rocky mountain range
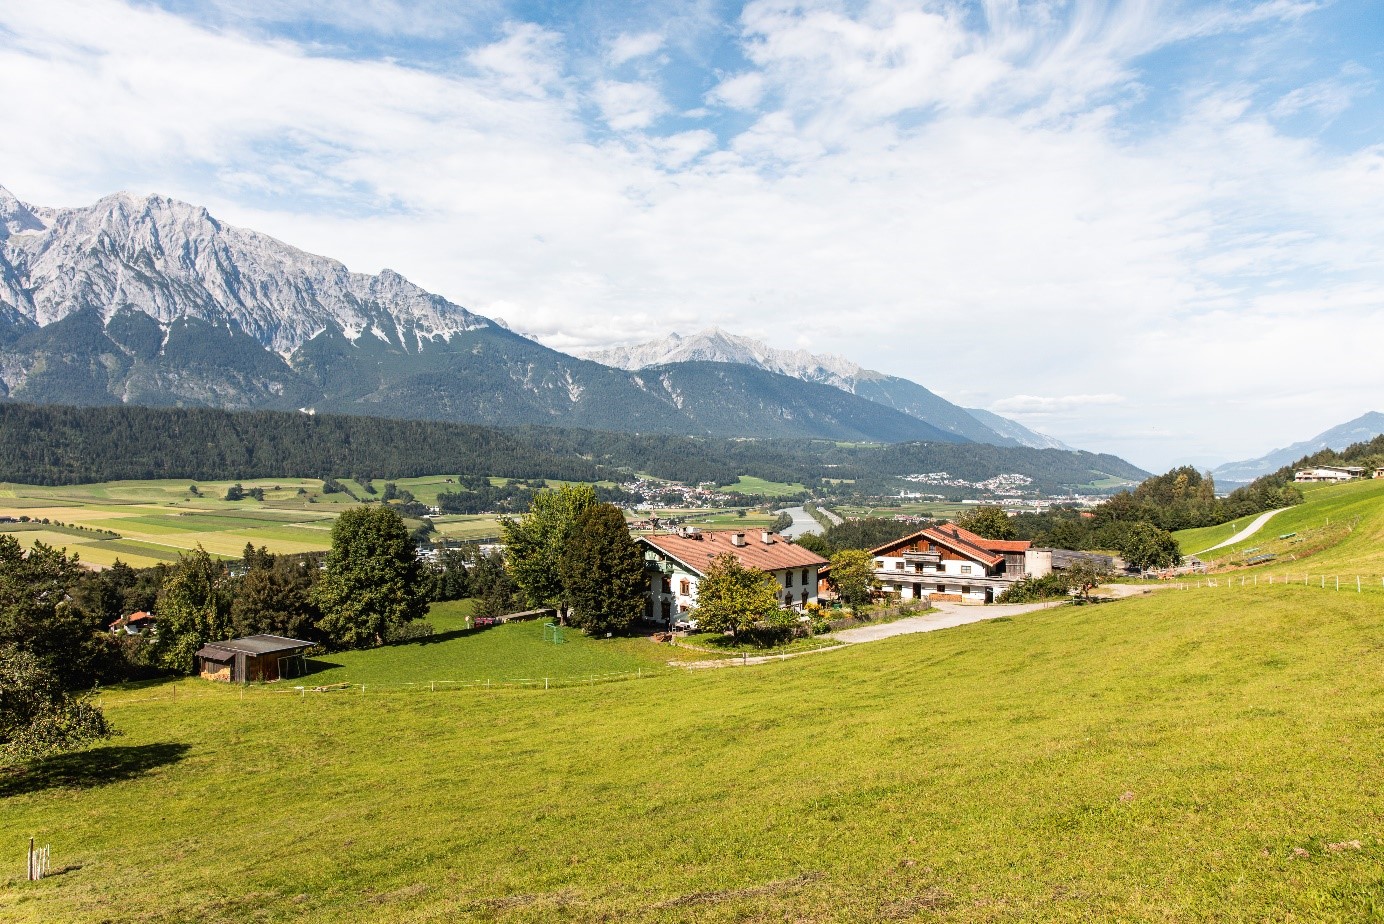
[1362, 429]
[148, 300]
[716, 345]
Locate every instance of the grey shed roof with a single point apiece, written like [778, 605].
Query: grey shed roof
[257, 645]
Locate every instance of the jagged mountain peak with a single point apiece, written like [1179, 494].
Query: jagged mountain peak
[15, 216]
[716, 345]
[170, 259]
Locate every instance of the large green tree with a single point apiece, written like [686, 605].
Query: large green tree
[987, 522]
[534, 543]
[372, 579]
[853, 574]
[39, 615]
[193, 608]
[732, 598]
[37, 716]
[1145, 546]
[602, 571]
[273, 596]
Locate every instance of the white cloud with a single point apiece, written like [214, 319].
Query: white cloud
[527, 60]
[627, 47]
[628, 105]
[1035, 405]
[963, 205]
[743, 91]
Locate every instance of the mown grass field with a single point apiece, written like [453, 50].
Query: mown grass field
[1185, 756]
[504, 654]
[749, 484]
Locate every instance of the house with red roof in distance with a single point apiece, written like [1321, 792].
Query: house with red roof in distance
[134, 624]
[947, 562]
[677, 561]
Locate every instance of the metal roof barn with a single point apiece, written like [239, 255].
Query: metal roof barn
[253, 659]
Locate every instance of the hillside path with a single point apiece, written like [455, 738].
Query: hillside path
[1245, 533]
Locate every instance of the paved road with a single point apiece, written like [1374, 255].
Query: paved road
[947, 616]
[1245, 533]
[802, 523]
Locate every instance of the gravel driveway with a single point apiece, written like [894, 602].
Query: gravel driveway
[947, 616]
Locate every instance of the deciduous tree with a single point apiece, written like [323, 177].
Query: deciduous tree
[853, 574]
[193, 608]
[372, 579]
[1085, 576]
[732, 598]
[987, 522]
[534, 543]
[37, 716]
[38, 614]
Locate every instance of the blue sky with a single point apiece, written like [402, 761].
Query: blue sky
[1152, 228]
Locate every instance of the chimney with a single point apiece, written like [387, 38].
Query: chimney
[737, 539]
[766, 537]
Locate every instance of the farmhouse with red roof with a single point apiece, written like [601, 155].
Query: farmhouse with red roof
[950, 563]
[678, 561]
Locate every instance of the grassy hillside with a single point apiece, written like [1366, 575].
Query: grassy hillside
[1161, 759]
[1339, 529]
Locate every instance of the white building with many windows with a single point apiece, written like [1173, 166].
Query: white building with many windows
[678, 561]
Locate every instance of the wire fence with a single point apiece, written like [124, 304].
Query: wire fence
[174, 692]
[1352, 583]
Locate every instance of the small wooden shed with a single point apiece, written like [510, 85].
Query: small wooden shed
[254, 659]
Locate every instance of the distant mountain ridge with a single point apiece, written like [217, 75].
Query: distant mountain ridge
[716, 345]
[148, 300]
[1361, 429]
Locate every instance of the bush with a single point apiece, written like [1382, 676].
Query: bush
[410, 631]
[1032, 590]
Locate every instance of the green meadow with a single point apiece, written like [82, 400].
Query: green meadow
[1184, 756]
[518, 652]
[1337, 530]
[749, 484]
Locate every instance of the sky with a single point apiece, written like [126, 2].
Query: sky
[1149, 228]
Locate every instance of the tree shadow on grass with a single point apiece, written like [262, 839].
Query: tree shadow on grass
[314, 666]
[84, 769]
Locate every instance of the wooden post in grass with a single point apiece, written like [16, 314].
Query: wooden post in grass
[38, 861]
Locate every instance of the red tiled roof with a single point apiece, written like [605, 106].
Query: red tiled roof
[141, 616]
[989, 551]
[697, 554]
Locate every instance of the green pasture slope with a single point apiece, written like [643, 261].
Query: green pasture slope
[1185, 756]
[516, 652]
[1339, 529]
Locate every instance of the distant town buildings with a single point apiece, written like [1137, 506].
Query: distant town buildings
[1332, 473]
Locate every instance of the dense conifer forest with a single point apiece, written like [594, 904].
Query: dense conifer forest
[53, 444]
